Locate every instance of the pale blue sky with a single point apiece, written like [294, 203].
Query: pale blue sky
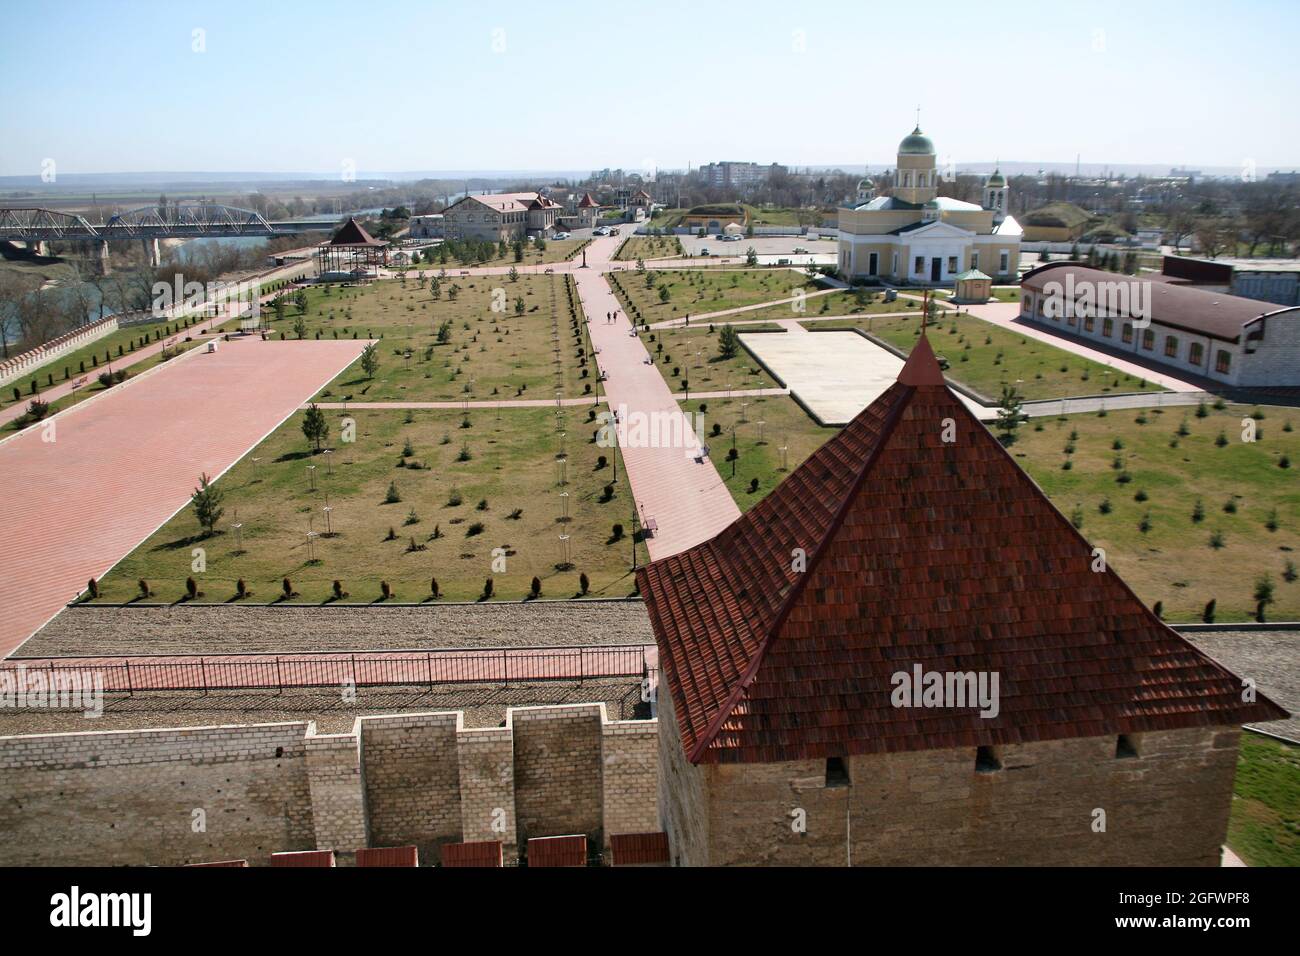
[396, 86]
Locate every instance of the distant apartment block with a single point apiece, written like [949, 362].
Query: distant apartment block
[730, 175]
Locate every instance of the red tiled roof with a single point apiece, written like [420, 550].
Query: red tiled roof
[918, 551]
[388, 856]
[587, 201]
[1200, 311]
[478, 853]
[351, 233]
[558, 851]
[638, 849]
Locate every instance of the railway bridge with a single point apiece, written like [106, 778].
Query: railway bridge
[35, 227]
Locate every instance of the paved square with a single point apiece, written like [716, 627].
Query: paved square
[122, 464]
[836, 374]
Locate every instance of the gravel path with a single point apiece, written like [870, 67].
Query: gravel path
[228, 629]
[1270, 658]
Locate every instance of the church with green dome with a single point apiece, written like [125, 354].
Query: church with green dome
[913, 236]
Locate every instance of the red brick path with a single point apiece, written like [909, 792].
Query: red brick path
[120, 465]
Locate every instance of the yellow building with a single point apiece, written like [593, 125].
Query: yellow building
[914, 236]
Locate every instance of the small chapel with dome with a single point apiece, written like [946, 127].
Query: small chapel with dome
[914, 236]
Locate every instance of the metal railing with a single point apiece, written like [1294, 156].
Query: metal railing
[504, 666]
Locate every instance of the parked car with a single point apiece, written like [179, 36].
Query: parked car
[561, 235]
[600, 231]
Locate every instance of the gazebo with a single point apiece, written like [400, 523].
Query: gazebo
[352, 254]
[972, 287]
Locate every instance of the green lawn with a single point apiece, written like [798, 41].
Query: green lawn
[984, 357]
[1174, 561]
[92, 386]
[694, 352]
[758, 447]
[1264, 829]
[649, 247]
[492, 350]
[557, 250]
[512, 465]
[833, 304]
[695, 291]
[116, 348]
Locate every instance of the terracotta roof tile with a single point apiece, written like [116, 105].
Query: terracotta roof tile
[915, 551]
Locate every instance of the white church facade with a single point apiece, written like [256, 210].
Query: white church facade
[914, 236]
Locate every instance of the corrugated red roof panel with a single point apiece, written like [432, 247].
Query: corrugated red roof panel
[891, 547]
[304, 858]
[221, 863]
[639, 849]
[558, 851]
[478, 853]
[388, 856]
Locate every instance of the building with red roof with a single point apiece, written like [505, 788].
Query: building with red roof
[906, 654]
[1207, 332]
[501, 217]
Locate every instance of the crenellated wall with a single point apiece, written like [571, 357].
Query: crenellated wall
[243, 792]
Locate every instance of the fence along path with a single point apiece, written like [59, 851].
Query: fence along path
[128, 674]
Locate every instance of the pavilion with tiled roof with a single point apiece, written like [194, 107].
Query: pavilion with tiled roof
[351, 253]
[912, 538]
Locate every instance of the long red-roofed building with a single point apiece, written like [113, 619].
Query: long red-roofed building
[795, 647]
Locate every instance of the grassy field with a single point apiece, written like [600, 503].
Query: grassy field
[693, 291]
[557, 250]
[695, 353]
[984, 356]
[438, 528]
[1264, 828]
[830, 305]
[492, 351]
[758, 447]
[116, 348]
[1175, 561]
[1240, 486]
[649, 247]
[92, 386]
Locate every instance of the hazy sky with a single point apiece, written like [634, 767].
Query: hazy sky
[283, 85]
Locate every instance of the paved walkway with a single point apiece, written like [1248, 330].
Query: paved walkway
[119, 466]
[687, 499]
